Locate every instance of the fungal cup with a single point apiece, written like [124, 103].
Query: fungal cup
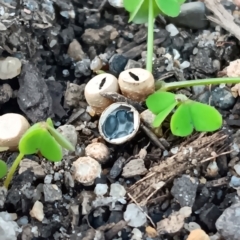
[119, 123]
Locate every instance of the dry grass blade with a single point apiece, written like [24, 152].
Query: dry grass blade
[189, 155]
[222, 17]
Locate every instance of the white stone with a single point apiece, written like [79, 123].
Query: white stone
[171, 28]
[8, 228]
[116, 3]
[134, 216]
[176, 54]
[10, 67]
[117, 190]
[101, 189]
[137, 234]
[237, 168]
[184, 65]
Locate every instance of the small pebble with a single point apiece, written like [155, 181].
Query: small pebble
[195, 51]
[51, 193]
[133, 64]
[237, 168]
[151, 232]
[65, 73]
[134, 168]
[198, 234]
[117, 64]
[235, 182]
[10, 67]
[86, 170]
[191, 226]
[216, 64]
[70, 133]
[98, 151]
[116, 3]
[171, 28]
[176, 54]
[101, 189]
[37, 211]
[185, 65]
[75, 51]
[96, 64]
[82, 68]
[117, 190]
[48, 179]
[23, 221]
[134, 216]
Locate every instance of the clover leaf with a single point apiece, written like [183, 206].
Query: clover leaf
[159, 101]
[192, 115]
[139, 9]
[189, 115]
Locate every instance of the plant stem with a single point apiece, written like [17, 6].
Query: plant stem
[162, 86]
[150, 36]
[12, 170]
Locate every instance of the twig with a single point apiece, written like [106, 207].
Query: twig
[218, 182]
[220, 154]
[109, 235]
[116, 97]
[152, 137]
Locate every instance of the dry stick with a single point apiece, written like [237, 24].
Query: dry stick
[111, 233]
[222, 17]
[116, 97]
[217, 155]
[218, 182]
[130, 196]
[152, 137]
[153, 173]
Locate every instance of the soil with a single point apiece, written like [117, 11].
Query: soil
[177, 184]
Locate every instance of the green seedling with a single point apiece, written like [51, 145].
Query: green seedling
[3, 169]
[189, 115]
[145, 11]
[40, 138]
